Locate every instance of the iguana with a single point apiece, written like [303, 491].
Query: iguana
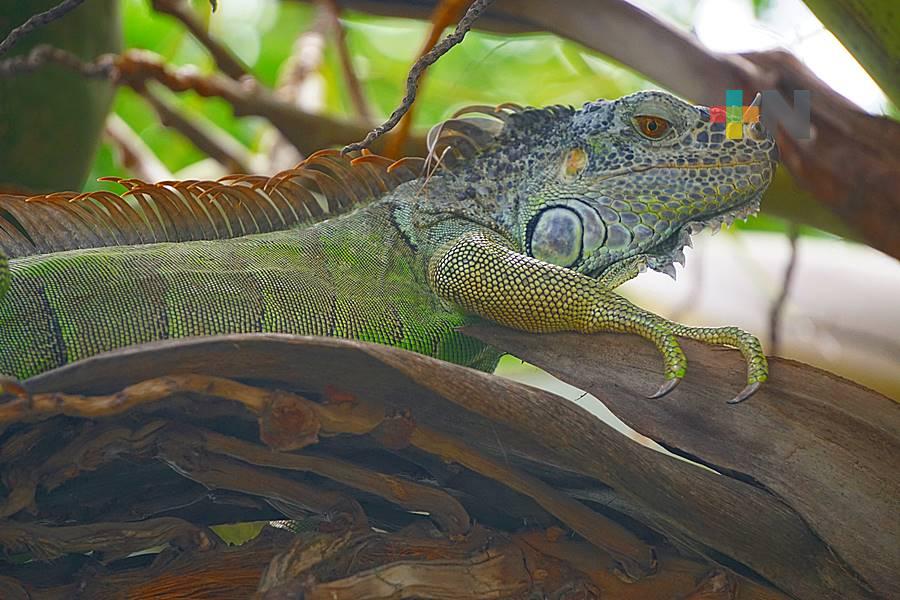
[527, 217]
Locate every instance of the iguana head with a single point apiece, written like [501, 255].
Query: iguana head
[639, 175]
[587, 188]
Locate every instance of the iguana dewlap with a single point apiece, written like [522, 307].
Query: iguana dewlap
[527, 217]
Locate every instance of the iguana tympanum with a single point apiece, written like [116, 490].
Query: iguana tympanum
[527, 217]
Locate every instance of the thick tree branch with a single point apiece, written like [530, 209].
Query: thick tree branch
[788, 501]
[822, 445]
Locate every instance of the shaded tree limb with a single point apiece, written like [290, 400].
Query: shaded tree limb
[112, 540]
[37, 21]
[285, 416]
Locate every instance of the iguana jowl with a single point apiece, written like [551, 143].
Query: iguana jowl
[527, 217]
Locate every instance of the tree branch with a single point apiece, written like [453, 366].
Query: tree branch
[225, 60]
[134, 154]
[103, 67]
[789, 501]
[775, 312]
[37, 21]
[215, 143]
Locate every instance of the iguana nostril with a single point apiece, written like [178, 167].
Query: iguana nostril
[758, 131]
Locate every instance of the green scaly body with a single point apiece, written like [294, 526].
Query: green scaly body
[538, 221]
[353, 277]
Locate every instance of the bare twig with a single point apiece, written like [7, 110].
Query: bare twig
[778, 305]
[415, 73]
[37, 21]
[214, 142]
[305, 130]
[354, 87]
[305, 59]
[444, 14]
[695, 289]
[102, 67]
[225, 60]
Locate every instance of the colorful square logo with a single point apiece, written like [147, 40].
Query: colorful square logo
[734, 114]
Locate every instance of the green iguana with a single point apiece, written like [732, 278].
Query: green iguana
[526, 217]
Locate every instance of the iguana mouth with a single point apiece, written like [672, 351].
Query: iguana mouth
[644, 168]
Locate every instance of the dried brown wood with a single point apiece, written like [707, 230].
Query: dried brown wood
[537, 472]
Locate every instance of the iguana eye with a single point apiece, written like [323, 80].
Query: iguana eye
[574, 163]
[651, 126]
[556, 236]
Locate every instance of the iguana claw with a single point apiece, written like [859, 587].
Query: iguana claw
[667, 387]
[745, 393]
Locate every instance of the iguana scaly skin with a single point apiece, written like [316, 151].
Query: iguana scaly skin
[541, 215]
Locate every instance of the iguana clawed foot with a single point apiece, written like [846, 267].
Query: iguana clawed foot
[749, 346]
[662, 332]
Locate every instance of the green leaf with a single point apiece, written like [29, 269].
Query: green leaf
[236, 534]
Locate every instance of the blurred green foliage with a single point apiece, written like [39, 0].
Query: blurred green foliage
[486, 69]
[534, 69]
[759, 6]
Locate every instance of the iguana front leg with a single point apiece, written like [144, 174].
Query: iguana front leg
[483, 275]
